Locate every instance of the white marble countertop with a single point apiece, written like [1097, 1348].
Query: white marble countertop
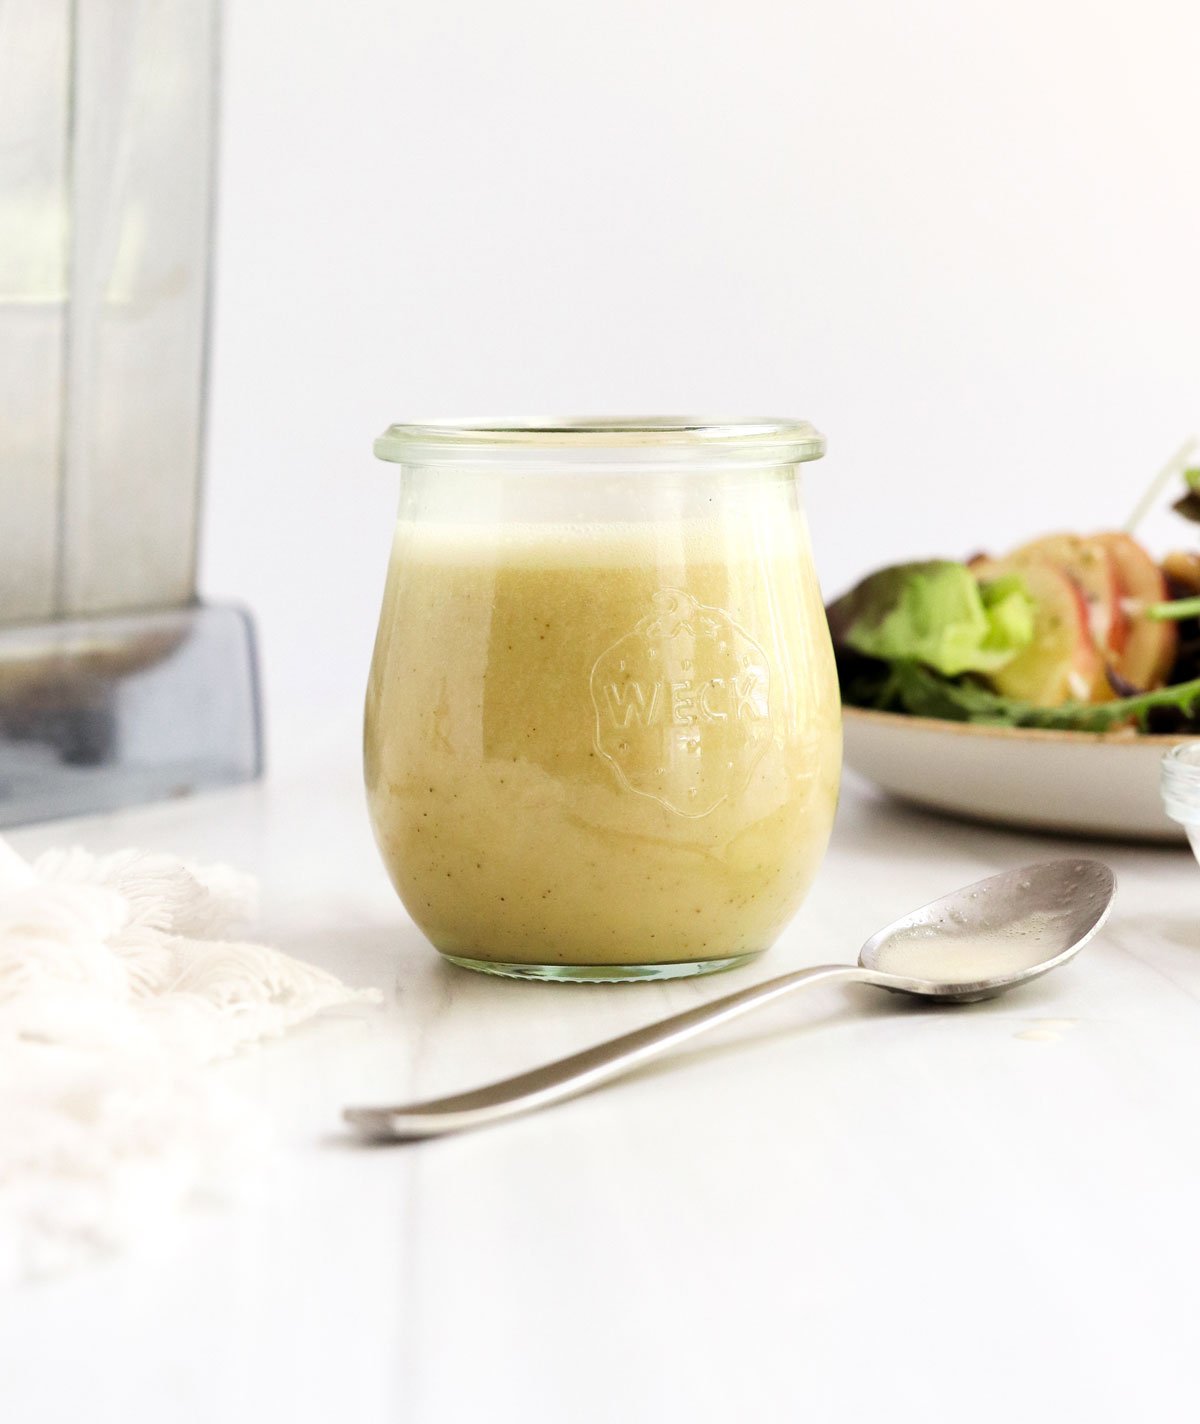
[844, 1209]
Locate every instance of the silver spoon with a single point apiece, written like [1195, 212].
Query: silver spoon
[973, 944]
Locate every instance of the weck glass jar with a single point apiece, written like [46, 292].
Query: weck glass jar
[603, 734]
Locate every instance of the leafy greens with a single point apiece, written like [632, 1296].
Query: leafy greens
[908, 687]
[921, 638]
[936, 614]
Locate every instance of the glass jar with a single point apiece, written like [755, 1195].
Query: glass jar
[1180, 784]
[603, 733]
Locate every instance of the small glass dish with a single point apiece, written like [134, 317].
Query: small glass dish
[1181, 789]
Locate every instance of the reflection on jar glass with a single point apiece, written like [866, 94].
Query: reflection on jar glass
[603, 734]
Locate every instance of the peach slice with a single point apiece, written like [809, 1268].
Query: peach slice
[1061, 664]
[1149, 651]
[1090, 564]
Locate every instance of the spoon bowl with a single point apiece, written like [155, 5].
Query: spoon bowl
[995, 934]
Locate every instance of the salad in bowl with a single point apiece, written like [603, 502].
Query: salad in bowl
[1001, 686]
[1070, 631]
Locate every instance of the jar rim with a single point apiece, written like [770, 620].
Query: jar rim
[769, 439]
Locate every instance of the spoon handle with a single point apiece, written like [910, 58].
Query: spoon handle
[567, 1077]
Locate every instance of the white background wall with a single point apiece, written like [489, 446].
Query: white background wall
[962, 237]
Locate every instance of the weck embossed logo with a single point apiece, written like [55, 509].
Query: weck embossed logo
[683, 710]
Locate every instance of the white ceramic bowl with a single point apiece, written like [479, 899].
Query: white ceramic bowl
[1078, 783]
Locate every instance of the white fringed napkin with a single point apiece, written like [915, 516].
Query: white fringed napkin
[117, 987]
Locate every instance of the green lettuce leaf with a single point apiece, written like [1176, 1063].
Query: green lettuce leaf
[937, 614]
[907, 687]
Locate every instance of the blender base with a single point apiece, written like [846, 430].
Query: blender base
[119, 709]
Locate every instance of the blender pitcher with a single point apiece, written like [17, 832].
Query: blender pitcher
[116, 684]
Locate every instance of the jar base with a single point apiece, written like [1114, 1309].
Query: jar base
[602, 973]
